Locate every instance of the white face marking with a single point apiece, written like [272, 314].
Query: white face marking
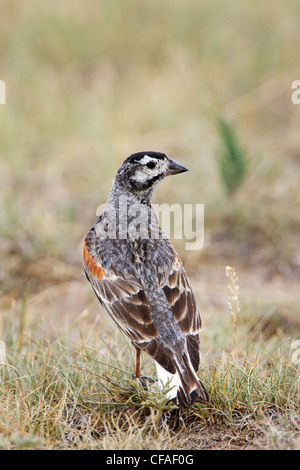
[140, 176]
[144, 173]
[146, 159]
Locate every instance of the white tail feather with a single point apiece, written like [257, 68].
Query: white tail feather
[165, 378]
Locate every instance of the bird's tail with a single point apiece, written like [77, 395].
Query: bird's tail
[185, 387]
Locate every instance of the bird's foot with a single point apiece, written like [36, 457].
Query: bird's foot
[144, 381]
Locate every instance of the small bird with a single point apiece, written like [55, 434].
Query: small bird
[139, 278]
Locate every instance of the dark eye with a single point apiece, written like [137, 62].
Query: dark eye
[151, 165]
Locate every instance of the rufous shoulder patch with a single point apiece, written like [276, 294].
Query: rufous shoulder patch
[177, 263]
[90, 264]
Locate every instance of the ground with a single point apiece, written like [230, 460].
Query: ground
[210, 87]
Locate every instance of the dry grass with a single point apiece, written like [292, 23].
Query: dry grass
[86, 87]
[70, 391]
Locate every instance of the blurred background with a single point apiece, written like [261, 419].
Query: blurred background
[208, 83]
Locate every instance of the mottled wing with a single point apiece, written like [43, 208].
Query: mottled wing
[125, 300]
[182, 301]
[122, 296]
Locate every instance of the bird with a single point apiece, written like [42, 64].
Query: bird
[140, 280]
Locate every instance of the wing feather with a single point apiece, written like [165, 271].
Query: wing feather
[182, 301]
[124, 298]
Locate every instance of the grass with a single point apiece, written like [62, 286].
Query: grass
[85, 87]
[64, 394]
[232, 161]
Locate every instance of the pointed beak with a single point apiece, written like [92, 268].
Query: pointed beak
[175, 168]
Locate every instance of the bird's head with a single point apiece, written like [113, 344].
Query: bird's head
[142, 171]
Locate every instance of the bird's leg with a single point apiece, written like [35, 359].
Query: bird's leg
[143, 380]
[138, 364]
